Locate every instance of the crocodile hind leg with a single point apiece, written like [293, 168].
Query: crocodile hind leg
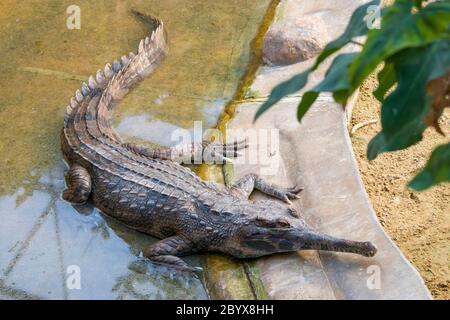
[251, 181]
[165, 252]
[79, 185]
[189, 153]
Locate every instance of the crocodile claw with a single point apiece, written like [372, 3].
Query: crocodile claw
[197, 269]
[228, 149]
[295, 189]
[188, 270]
[290, 193]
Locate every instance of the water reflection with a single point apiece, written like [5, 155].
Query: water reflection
[40, 235]
[209, 49]
[148, 128]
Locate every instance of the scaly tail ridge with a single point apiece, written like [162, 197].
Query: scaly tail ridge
[152, 50]
[116, 79]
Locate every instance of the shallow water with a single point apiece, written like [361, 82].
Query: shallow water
[43, 63]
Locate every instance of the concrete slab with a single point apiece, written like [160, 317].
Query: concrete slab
[318, 155]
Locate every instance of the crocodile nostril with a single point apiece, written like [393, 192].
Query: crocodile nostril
[371, 249]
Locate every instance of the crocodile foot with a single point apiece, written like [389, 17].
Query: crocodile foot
[287, 194]
[252, 181]
[224, 152]
[165, 252]
[176, 263]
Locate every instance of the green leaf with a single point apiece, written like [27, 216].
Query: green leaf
[283, 89]
[341, 96]
[336, 77]
[336, 80]
[437, 169]
[418, 3]
[306, 102]
[356, 27]
[386, 80]
[400, 29]
[404, 110]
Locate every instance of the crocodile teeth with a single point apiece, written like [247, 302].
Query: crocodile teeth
[153, 35]
[92, 83]
[131, 55]
[69, 109]
[159, 30]
[108, 71]
[147, 41]
[73, 103]
[116, 66]
[157, 35]
[78, 96]
[99, 77]
[141, 46]
[85, 89]
[124, 61]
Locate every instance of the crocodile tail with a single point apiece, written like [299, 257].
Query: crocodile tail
[116, 79]
[152, 50]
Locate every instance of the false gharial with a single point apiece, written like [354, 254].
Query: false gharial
[148, 189]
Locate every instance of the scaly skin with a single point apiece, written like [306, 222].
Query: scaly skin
[150, 191]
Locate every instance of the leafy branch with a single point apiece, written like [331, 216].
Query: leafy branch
[414, 83]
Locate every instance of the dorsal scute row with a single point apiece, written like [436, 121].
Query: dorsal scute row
[103, 77]
[83, 131]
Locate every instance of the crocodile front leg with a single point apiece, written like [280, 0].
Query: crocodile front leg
[165, 252]
[79, 185]
[205, 151]
[251, 181]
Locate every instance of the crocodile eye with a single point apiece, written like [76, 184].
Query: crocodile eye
[265, 223]
[278, 223]
[283, 223]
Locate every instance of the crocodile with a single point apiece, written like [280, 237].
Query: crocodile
[149, 190]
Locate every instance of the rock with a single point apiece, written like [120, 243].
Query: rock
[294, 40]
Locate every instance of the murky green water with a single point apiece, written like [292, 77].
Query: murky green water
[41, 237]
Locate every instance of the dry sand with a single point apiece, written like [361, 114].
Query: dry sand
[418, 222]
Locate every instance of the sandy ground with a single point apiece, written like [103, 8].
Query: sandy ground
[418, 222]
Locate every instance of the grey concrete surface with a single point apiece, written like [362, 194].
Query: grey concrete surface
[318, 155]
